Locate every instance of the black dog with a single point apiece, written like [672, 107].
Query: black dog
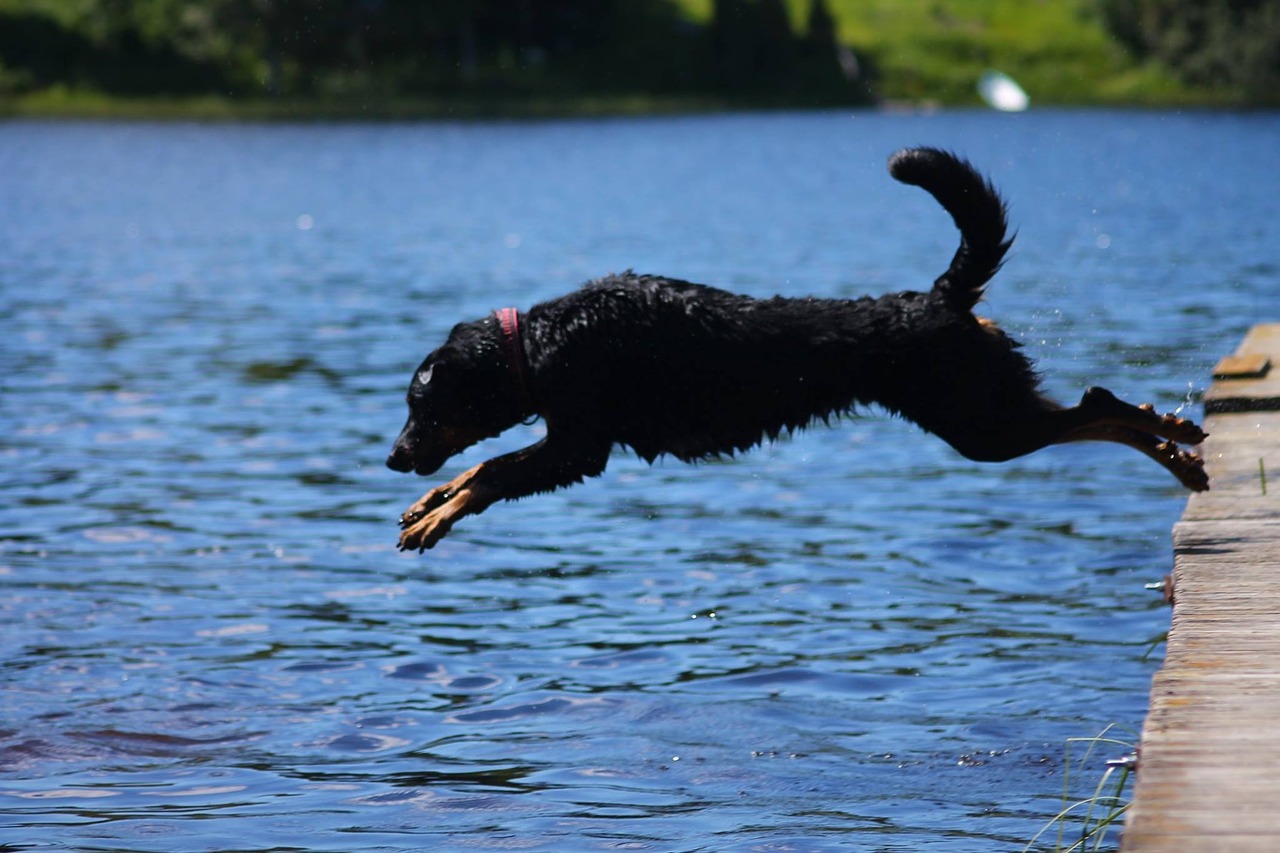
[666, 366]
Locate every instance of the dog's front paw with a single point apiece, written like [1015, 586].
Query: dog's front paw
[427, 521]
[421, 535]
[425, 504]
[426, 530]
[438, 496]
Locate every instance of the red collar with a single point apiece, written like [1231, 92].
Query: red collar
[513, 347]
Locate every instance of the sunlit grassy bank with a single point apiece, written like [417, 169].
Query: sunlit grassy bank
[929, 51]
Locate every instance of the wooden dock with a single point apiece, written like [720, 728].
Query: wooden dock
[1209, 762]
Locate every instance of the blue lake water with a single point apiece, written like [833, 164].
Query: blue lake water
[850, 640]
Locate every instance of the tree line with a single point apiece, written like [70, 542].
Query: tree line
[505, 48]
[508, 49]
[1224, 43]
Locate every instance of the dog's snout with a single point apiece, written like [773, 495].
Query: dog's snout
[400, 459]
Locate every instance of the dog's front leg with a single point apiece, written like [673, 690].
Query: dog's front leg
[437, 497]
[542, 467]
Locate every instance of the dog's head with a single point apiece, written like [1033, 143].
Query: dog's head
[461, 394]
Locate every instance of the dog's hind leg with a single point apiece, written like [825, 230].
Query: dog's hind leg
[1007, 433]
[1108, 418]
[1102, 407]
[1186, 466]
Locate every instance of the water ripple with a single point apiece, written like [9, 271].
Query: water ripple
[850, 637]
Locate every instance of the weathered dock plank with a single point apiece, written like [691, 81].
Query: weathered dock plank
[1209, 761]
[1249, 379]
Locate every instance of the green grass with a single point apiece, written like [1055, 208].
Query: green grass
[1085, 824]
[933, 51]
[65, 103]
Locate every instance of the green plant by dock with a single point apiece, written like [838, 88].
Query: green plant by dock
[1086, 824]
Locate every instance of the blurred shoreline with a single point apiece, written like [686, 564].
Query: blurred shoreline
[93, 105]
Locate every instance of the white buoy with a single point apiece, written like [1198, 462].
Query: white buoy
[1001, 92]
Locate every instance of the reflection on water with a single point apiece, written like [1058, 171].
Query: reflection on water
[850, 640]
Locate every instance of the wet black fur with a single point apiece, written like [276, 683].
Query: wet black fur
[669, 367]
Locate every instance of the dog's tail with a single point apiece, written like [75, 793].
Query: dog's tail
[977, 210]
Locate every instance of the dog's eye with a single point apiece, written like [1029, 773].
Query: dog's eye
[424, 376]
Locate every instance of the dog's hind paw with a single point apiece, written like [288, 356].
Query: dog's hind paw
[1176, 428]
[1186, 466]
